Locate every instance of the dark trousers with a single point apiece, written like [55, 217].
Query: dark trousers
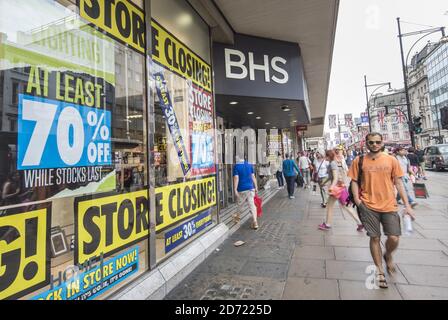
[280, 180]
[290, 184]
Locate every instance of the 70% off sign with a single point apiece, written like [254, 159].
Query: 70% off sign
[54, 134]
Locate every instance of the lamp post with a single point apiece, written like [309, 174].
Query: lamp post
[425, 32]
[379, 85]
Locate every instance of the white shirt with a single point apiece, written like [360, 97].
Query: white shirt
[304, 162]
[322, 166]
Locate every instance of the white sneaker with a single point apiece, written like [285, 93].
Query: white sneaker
[291, 197]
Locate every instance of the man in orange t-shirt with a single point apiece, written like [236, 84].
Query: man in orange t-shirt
[377, 202]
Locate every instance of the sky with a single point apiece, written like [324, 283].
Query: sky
[367, 44]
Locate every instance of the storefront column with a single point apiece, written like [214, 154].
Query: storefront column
[150, 139]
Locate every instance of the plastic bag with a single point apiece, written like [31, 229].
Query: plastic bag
[258, 203]
[407, 221]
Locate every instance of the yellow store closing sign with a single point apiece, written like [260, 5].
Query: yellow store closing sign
[174, 55]
[110, 223]
[24, 252]
[121, 19]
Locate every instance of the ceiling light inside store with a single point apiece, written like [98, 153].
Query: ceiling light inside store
[135, 116]
[184, 20]
[250, 112]
[258, 118]
[267, 123]
[233, 102]
[286, 108]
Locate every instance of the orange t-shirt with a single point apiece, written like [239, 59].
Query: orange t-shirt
[377, 182]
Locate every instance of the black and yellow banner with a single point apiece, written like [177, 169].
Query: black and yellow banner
[176, 56]
[121, 19]
[110, 223]
[24, 252]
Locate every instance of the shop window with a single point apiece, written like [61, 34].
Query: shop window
[184, 145]
[73, 169]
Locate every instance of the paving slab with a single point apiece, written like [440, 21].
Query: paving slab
[204, 286]
[313, 252]
[311, 240]
[433, 225]
[360, 241]
[434, 234]
[310, 289]
[222, 264]
[351, 270]
[357, 290]
[265, 270]
[425, 275]
[307, 268]
[421, 257]
[353, 254]
[412, 292]
[420, 244]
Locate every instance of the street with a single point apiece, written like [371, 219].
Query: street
[289, 258]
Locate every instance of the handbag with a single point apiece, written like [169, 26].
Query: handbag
[258, 203]
[316, 173]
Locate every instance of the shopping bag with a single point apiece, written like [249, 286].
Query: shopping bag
[420, 190]
[258, 202]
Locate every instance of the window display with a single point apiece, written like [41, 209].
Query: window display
[78, 133]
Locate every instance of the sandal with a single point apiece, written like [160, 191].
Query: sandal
[236, 218]
[254, 226]
[381, 279]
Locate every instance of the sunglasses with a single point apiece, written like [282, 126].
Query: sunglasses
[371, 143]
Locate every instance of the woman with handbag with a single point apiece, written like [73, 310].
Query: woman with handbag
[338, 191]
[320, 176]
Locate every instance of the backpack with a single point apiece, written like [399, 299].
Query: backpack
[351, 198]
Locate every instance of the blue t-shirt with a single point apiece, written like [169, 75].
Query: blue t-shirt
[244, 171]
[288, 168]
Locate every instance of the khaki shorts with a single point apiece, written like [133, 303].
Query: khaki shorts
[372, 221]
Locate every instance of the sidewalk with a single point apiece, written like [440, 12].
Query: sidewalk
[289, 258]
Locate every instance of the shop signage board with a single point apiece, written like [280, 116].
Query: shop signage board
[86, 285]
[259, 67]
[103, 222]
[24, 250]
[120, 19]
[182, 233]
[55, 134]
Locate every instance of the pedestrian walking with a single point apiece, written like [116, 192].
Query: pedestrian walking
[376, 201]
[288, 171]
[421, 162]
[279, 171]
[245, 188]
[338, 191]
[413, 160]
[304, 166]
[407, 173]
[320, 175]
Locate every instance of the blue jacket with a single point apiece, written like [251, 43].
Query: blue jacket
[288, 168]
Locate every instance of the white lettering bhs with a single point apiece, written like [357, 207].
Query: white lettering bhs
[265, 67]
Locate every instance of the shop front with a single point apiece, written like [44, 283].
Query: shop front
[107, 153]
[260, 87]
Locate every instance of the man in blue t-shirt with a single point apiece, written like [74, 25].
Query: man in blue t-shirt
[290, 176]
[245, 187]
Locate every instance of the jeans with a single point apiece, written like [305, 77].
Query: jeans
[306, 176]
[323, 191]
[408, 189]
[290, 184]
[280, 180]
